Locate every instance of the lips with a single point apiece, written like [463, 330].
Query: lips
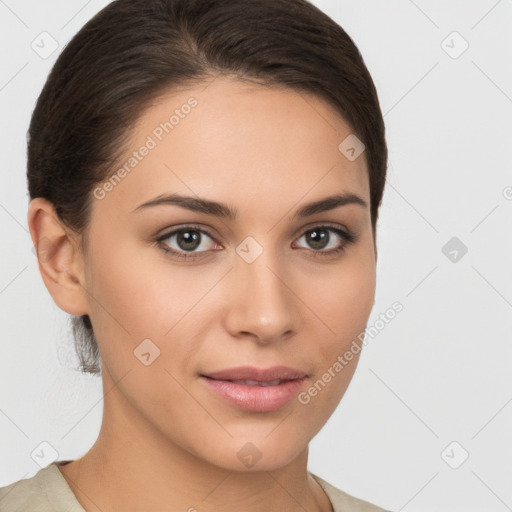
[257, 374]
[256, 389]
[247, 382]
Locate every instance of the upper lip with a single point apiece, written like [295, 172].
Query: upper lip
[257, 374]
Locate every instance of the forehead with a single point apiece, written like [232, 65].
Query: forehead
[240, 143]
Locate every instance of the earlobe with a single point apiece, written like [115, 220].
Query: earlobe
[59, 258]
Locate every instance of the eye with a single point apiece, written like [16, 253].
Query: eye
[326, 239]
[185, 240]
[189, 242]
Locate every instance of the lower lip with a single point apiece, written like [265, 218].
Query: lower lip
[255, 398]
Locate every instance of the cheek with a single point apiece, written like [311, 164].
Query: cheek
[137, 295]
[136, 291]
[343, 299]
[123, 297]
[344, 305]
[343, 302]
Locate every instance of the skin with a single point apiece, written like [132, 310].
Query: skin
[166, 441]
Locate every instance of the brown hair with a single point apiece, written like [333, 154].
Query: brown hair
[132, 51]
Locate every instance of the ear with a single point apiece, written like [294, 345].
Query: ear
[59, 257]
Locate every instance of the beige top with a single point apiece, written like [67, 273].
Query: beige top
[48, 491]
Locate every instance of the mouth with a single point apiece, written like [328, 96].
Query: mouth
[254, 389]
[247, 382]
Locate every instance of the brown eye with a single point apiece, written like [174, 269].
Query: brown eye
[325, 239]
[187, 240]
[317, 238]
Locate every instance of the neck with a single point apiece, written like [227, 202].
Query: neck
[132, 466]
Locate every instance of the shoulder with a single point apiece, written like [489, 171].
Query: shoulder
[342, 502]
[46, 491]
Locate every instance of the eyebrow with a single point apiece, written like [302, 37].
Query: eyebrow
[221, 210]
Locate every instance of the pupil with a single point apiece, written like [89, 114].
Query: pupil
[319, 238]
[189, 240]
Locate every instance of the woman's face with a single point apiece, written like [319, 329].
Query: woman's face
[253, 281]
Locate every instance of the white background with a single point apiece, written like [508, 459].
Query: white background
[439, 372]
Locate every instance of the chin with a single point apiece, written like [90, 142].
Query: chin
[243, 454]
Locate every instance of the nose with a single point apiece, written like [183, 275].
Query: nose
[262, 305]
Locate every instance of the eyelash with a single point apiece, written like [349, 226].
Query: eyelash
[347, 237]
